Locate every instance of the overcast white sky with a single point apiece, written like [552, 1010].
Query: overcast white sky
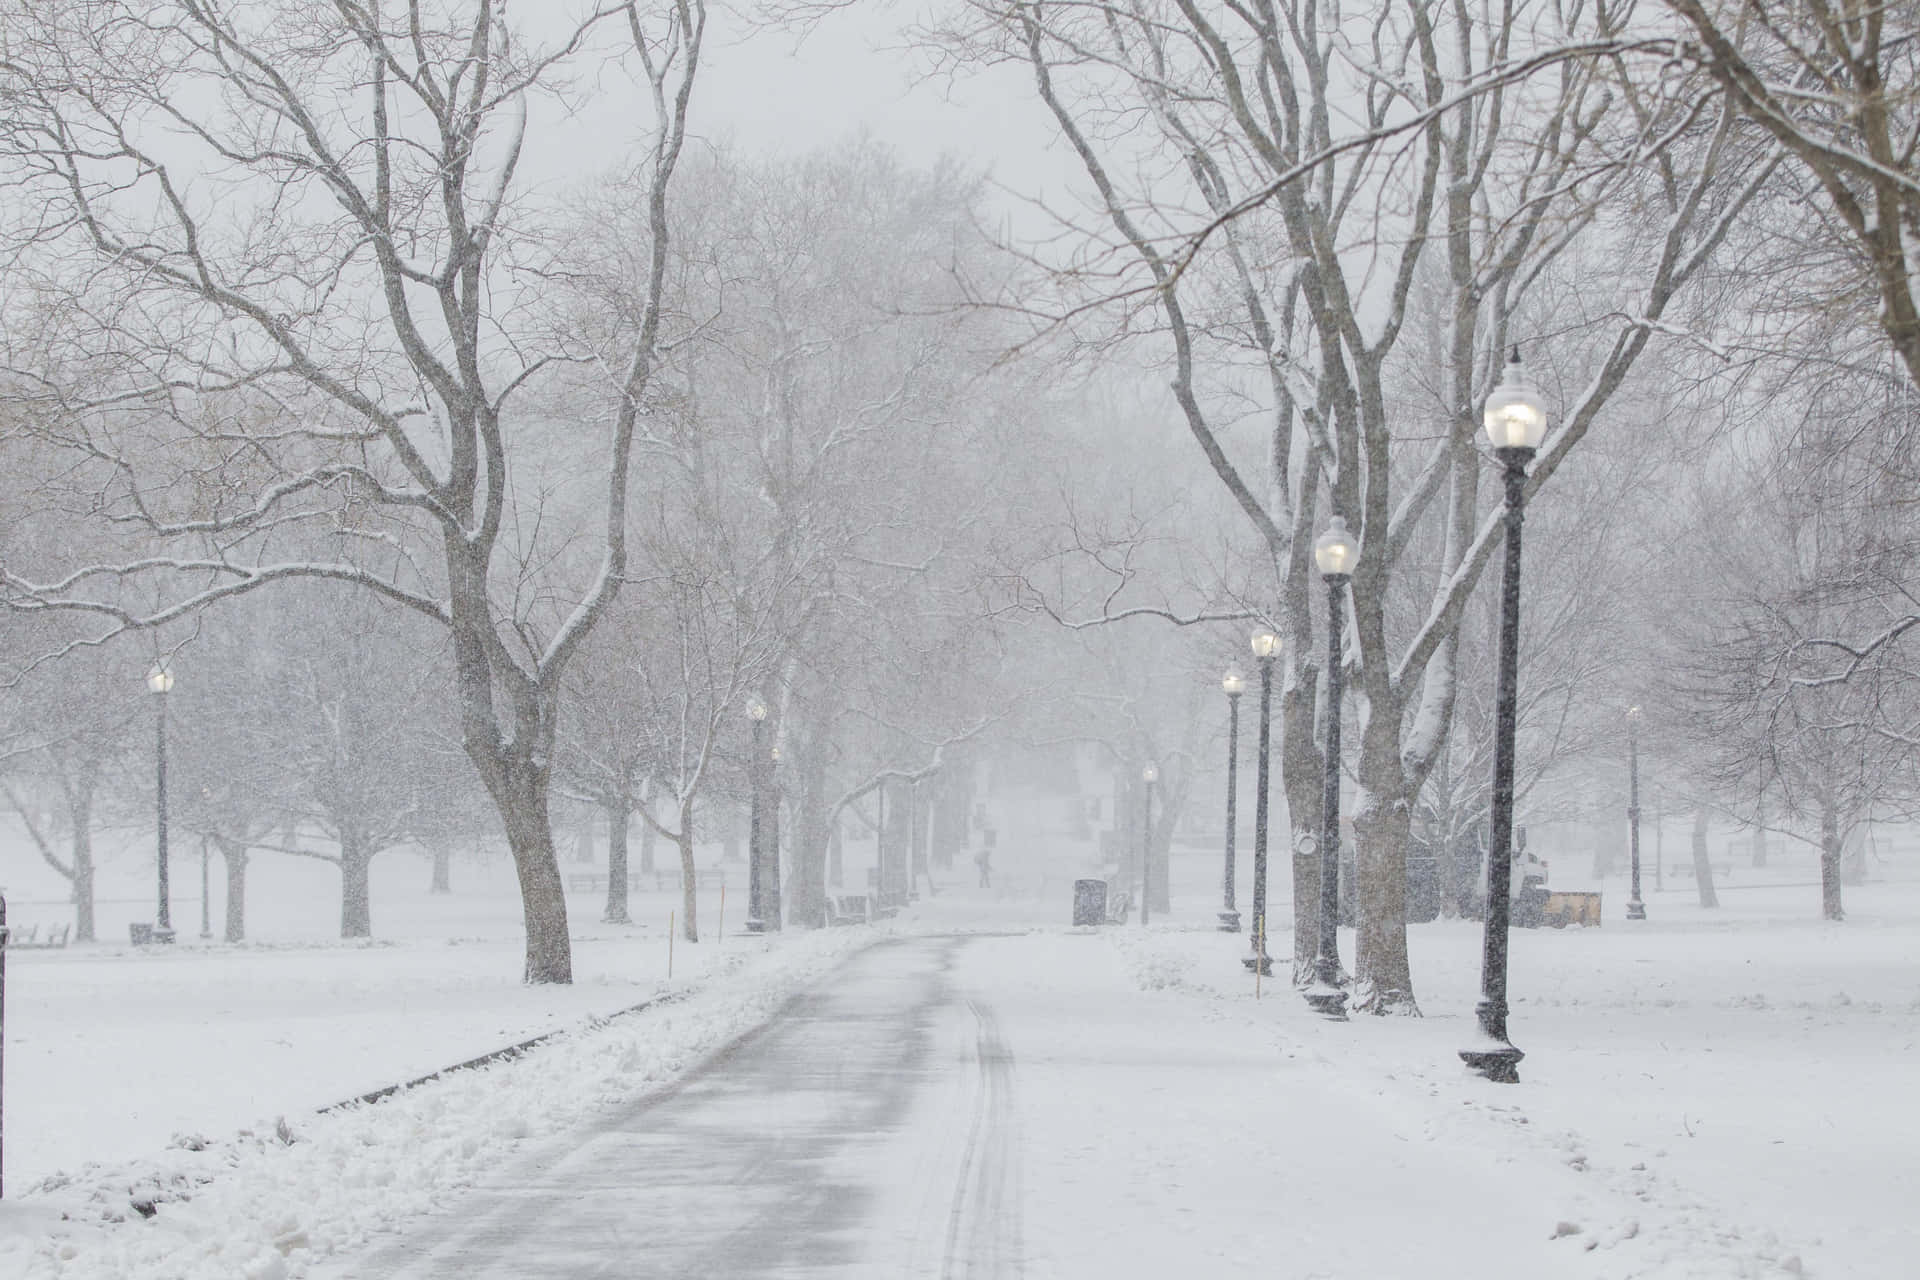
[775, 91]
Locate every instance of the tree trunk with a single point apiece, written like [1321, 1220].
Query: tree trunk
[519, 789]
[814, 841]
[917, 837]
[1830, 842]
[836, 857]
[730, 835]
[772, 898]
[583, 838]
[647, 837]
[1160, 848]
[442, 869]
[82, 880]
[1659, 849]
[356, 910]
[1302, 770]
[1382, 825]
[1603, 848]
[949, 816]
[511, 758]
[1760, 831]
[689, 876]
[617, 815]
[1466, 870]
[234, 855]
[1702, 866]
[889, 853]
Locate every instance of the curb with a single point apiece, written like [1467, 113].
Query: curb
[504, 1054]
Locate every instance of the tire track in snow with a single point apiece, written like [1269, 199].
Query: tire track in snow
[984, 1225]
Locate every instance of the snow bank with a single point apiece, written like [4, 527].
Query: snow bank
[265, 1203]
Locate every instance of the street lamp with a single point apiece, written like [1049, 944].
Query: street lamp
[1636, 909]
[1234, 684]
[1515, 419]
[756, 712]
[1265, 646]
[1335, 553]
[1148, 775]
[160, 681]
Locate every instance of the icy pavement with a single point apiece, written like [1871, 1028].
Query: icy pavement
[1001, 1106]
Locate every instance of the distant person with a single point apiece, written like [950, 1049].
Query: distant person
[984, 860]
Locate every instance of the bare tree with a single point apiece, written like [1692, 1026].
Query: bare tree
[1278, 185]
[66, 740]
[1832, 84]
[1788, 703]
[300, 235]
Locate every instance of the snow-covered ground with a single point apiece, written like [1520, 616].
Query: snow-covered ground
[1708, 1093]
[1733, 1090]
[114, 1050]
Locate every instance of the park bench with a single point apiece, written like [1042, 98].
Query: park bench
[849, 908]
[29, 939]
[596, 881]
[703, 877]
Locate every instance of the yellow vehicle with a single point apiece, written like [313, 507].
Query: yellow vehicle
[1568, 906]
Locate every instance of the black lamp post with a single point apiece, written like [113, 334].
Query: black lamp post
[1636, 909]
[1148, 776]
[160, 681]
[1234, 684]
[1265, 646]
[1515, 420]
[756, 712]
[1335, 552]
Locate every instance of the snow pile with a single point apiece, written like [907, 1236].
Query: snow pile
[265, 1203]
[1151, 965]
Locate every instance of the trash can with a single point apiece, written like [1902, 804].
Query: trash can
[140, 934]
[1089, 902]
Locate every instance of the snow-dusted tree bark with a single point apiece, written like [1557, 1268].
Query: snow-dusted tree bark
[1702, 858]
[233, 856]
[618, 816]
[1830, 852]
[442, 858]
[356, 893]
[324, 198]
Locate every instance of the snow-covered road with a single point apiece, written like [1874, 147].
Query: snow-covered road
[866, 1131]
[994, 1106]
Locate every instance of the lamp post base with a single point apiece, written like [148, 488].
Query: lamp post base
[1263, 965]
[1229, 922]
[1636, 909]
[1499, 1063]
